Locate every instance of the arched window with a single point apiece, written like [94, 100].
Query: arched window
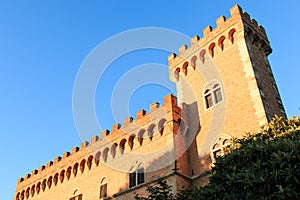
[27, 193]
[49, 183]
[151, 131]
[231, 35]
[161, 126]
[136, 176]
[212, 94]
[122, 145]
[184, 68]
[75, 169]
[55, 179]
[193, 61]
[18, 196]
[97, 158]
[221, 42]
[131, 141]
[103, 188]
[90, 162]
[32, 190]
[68, 173]
[38, 187]
[113, 149]
[141, 136]
[44, 184]
[82, 165]
[202, 55]
[176, 74]
[62, 176]
[219, 146]
[211, 49]
[22, 195]
[105, 154]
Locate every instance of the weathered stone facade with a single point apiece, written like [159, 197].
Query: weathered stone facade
[225, 88]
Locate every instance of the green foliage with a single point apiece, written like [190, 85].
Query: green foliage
[265, 165]
[160, 191]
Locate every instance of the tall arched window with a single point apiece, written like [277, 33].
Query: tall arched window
[49, 183]
[212, 94]
[161, 126]
[44, 185]
[193, 61]
[105, 154]
[202, 55]
[231, 35]
[122, 145]
[211, 49]
[103, 188]
[141, 136]
[136, 175]
[32, 190]
[82, 165]
[113, 149]
[184, 68]
[97, 158]
[221, 42]
[68, 173]
[131, 141]
[55, 179]
[90, 162]
[27, 193]
[151, 131]
[219, 145]
[75, 169]
[38, 187]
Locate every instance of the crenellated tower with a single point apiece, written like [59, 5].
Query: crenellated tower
[225, 88]
[226, 82]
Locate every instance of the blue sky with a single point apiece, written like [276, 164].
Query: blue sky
[43, 44]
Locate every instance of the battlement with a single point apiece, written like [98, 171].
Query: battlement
[105, 145]
[226, 32]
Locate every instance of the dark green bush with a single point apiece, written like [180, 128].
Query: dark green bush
[265, 165]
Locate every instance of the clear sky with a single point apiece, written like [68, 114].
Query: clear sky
[43, 44]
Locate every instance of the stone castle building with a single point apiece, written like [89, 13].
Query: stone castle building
[225, 87]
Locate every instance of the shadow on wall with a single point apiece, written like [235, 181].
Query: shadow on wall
[178, 167]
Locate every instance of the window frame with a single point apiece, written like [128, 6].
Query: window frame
[136, 177]
[103, 193]
[77, 197]
[212, 94]
[219, 145]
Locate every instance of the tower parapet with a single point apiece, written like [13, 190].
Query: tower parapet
[238, 21]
